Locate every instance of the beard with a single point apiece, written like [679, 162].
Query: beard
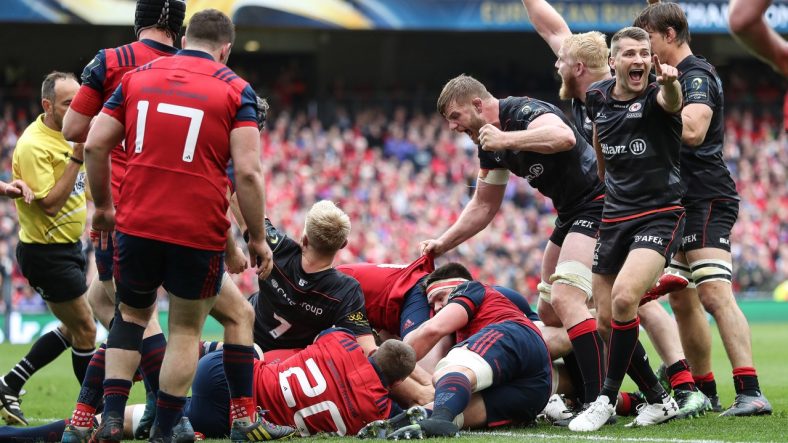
[476, 124]
[568, 84]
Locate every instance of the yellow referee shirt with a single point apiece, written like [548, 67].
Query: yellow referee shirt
[40, 158]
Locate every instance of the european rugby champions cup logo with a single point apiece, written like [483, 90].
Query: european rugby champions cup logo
[696, 84]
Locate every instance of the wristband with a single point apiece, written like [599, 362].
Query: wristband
[76, 160]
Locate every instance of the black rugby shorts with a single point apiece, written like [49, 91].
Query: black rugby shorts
[709, 224]
[660, 232]
[584, 220]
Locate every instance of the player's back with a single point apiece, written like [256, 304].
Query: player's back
[486, 306]
[329, 387]
[178, 112]
[384, 287]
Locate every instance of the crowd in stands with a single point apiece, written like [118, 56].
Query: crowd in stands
[403, 177]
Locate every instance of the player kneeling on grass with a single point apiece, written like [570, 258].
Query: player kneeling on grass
[500, 355]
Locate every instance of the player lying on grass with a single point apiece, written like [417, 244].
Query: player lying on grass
[329, 387]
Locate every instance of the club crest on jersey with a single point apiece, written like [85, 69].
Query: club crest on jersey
[534, 171]
[634, 110]
[637, 146]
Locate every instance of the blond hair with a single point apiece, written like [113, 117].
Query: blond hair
[589, 48]
[460, 89]
[327, 227]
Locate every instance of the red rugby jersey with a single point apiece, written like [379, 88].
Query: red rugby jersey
[329, 387]
[384, 287]
[102, 76]
[485, 306]
[178, 113]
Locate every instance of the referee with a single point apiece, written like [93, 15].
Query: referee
[49, 251]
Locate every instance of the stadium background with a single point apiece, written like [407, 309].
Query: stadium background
[353, 84]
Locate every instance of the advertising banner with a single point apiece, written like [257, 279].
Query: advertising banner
[704, 16]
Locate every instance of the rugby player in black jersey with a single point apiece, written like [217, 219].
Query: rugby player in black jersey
[582, 60]
[534, 140]
[712, 205]
[305, 295]
[637, 136]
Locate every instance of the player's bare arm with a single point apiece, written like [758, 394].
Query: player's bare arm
[103, 137]
[245, 152]
[548, 23]
[546, 134]
[748, 25]
[476, 215]
[696, 118]
[600, 158]
[449, 319]
[669, 97]
[76, 126]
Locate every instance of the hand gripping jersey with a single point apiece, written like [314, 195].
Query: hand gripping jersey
[294, 306]
[703, 171]
[485, 306]
[328, 387]
[640, 143]
[178, 112]
[384, 287]
[568, 178]
[102, 76]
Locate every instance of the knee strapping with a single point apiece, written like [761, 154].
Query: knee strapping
[573, 273]
[704, 271]
[468, 359]
[545, 291]
[125, 335]
[679, 268]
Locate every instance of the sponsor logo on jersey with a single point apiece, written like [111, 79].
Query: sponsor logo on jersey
[725, 241]
[650, 239]
[637, 146]
[313, 309]
[282, 293]
[534, 171]
[613, 149]
[302, 282]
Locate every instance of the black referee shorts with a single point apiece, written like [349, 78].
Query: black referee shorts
[56, 271]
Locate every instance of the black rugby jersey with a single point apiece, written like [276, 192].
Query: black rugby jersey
[641, 144]
[293, 306]
[568, 178]
[583, 124]
[704, 173]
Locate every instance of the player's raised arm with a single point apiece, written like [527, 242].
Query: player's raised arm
[548, 23]
[669, 98]
[747, 22]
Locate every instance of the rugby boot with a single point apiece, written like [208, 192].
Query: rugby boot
[429, 427]
[655, 413]
[691, 403]
[10, 408]
[745, 405]
[259, 430]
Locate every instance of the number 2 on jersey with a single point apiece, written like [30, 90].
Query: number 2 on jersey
[299, 418]
[195, 121]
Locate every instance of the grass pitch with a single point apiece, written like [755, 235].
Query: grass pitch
[52, 391]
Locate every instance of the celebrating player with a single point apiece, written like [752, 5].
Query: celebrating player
[534, 140]
[712, 206]
[637, 136]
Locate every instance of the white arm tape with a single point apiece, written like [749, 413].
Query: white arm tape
[494, 176]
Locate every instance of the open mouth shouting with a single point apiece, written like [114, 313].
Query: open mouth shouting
[636, 75]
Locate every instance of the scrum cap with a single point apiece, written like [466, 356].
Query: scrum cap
[164, 14]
